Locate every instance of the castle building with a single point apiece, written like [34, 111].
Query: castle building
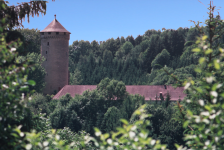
[150, 92]
[54, 47]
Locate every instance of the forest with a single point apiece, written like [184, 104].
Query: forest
[189, 57]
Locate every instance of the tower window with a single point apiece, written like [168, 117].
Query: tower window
[47, 43]
[49, 32]
[46, 52]
[64, 33]
[57, 33]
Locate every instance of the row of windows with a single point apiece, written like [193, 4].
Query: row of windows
[42, 33]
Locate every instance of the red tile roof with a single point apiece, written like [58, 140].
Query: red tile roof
[148, 91]
[55, 26]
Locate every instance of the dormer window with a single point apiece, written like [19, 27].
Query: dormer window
[49, 32]
[160, 94]
[57, 33]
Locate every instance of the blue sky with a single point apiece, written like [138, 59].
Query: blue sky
[103, 19]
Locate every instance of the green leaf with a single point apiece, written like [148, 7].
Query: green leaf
[185, 124]
[219, 132]
[197, 70]
[31, 82]
[216, 64]
[222, 95]
[204, 37]
[189, 112]
[124, 121]
[207, 107]
[199, 90]
[214, 86]
[196, 50]
[176, 145]
[209, 51]
[201, 60]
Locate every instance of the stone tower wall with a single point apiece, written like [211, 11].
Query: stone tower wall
[54, 47]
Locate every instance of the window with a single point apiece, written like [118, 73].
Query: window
[57, 33]
[49, 32]
[47, 43]
[64, 33]
[42, 33]
[46, 52]
[164, 86]
[160, 94]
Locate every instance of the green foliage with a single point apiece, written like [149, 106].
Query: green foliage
[162, 126]
[75, 78]
[208, 120]
[14, 84]
[126, 47]
[31, 40]
[130, 136]
[37, 73]
[112, 89]
[39, 104]
[161, 59]
[111, 119]
[61, 140]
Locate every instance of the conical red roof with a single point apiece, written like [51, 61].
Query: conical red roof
[55, 26]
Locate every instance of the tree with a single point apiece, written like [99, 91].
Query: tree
[162, 59]
[167, 101]
[149, 33]
[206, 94]
[131, 39]
[13, 15]
[111, 119]
[37, 73]
[126, 47]
[112, 89]
[144, 45]
[151, 52]
[122, 40]
[32, 40]
[112, 46]
[39, 104]
[138, 40]
[176, 42]
[76, 77]
[95, 48]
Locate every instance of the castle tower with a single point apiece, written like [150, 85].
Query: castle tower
[54, 47]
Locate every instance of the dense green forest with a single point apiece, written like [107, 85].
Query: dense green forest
[90, 120]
